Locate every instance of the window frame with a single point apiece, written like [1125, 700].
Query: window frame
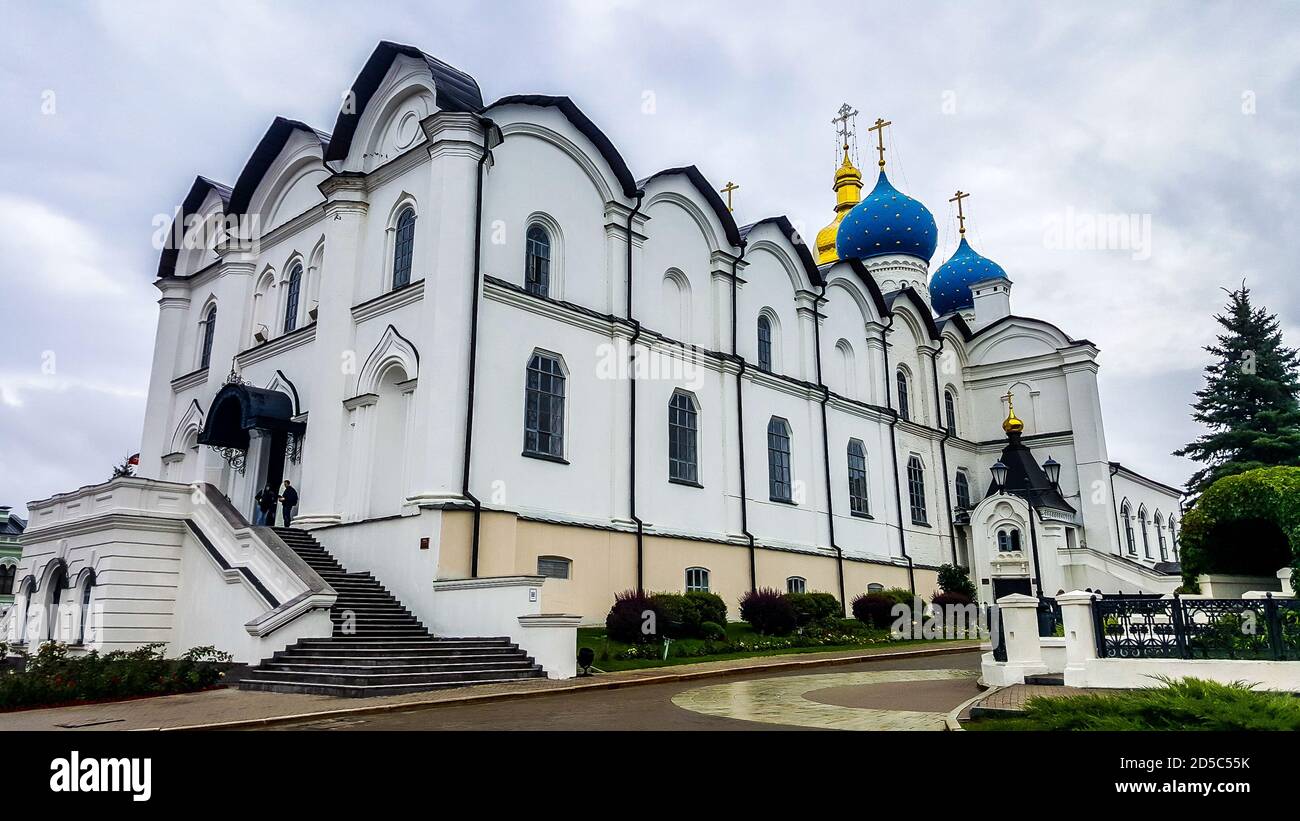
[1130, 538]
[764, 332]
[403, 259]
[903, 386]
[555, 560]
[207, 336]
[916, 491]
[292, 297]
[950, 411]
[793, 582]
[780, 462]
[541, 286]
[699, 573]
[556, 433]
[961, 483]
[684, 469]
[859, 496]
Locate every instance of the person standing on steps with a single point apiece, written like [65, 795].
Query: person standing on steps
[289, 501]
[266, 507]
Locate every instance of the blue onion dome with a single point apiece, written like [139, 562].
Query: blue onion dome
[950, 285]
[887, 222]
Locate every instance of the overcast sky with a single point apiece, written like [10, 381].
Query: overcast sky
[1186, 114]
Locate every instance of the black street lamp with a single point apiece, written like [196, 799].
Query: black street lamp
[999, 472]
[1053, 470]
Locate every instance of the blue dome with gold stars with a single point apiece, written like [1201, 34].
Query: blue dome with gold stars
[950, 285]
[887, 222]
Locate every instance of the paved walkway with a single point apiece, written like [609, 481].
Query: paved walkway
[1012, 699]
[228, 706]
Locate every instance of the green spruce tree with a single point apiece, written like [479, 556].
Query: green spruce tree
[1250, 400]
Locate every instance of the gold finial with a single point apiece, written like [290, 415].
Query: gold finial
[879, 128]
[1012, 423]
[848, 183]
[961, 218]
[727, 189]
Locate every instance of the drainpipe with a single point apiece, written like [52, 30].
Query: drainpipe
[740, 425]
[943, 447]
[826, 446]
[893, 447]
[631, 422]
[473, 348]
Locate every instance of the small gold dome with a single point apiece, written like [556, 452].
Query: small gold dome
[848, 191]
[1012, 424]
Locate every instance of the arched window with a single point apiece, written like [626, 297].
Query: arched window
[403, 247]
[544, 407]
[554, 567]
[1146, 537]
[683, 455]
[87, 595]
[779, 484]
[537, 261]
[904, 397]
[764, 343]
[1160, 536]
[796, 584]
[208, 332]
[292, 297]
[58, 580]
[7, 574]
[697, 579]
[916, 490]
[1009, 541]
[950, 412]
[858, 504]
[1126, 513]
[963, 491]
[1173, 536]
[875, 587]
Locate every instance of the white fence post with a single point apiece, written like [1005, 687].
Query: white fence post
[1020, 632]
[1080, 637]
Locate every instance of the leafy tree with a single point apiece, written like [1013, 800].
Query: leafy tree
[1249, 402]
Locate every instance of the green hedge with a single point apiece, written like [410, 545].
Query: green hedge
[1236, 514]
[53, 677]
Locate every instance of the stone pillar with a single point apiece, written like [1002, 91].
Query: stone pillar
[173, 307]
[1080, 636]
[334, 358]
[455, 144]
[1020, 632]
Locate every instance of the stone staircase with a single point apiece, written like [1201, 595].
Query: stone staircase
[378, 646]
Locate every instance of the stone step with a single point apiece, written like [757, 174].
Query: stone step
[402, 668]
[359, 692]
[355, 679]
[382, 644]
[367, 658]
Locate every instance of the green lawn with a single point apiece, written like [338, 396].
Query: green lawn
[739, 634]
[1185, 704]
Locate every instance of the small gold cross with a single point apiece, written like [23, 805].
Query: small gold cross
[727, 189]
[961, 218]
[879, 128]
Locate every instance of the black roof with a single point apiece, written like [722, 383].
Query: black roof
[584, 124]
[268, 148]
[12, 525]
[193, 200]
[710, 196]
[922, 308]
[455, 91]
[1026, 479]
[783, 223]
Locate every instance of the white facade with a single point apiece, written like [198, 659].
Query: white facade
[379, 372]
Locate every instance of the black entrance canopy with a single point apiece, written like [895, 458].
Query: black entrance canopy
[236, 409]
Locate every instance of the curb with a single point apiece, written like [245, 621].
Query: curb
[951, 719]
[607, 684]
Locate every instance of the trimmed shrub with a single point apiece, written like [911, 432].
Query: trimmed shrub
[627, 615]
[901, 595]
[710, 606]
[946, 598]
[768, 611]
[955, 579]
[1245, 523]
[679, 616]
[814, 609]
[712, 631]
[874, 610]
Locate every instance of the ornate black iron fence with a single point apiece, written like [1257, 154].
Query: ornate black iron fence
[1267, 628]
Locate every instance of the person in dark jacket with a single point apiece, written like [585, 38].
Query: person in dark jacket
[266, 507]
[289, 502]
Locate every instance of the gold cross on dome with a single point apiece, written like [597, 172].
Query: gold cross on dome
[727, 189]
[879, 128]
[961, 218]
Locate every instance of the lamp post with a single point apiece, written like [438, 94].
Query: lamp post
[1053, 470]
[999, 472]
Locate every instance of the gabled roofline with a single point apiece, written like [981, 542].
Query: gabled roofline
[873, 287]
[454, 91]
[784, 225]
[268, 148]
[1009, 317]
[190, 205]
[710, 196]
[922, 308]
[1119, 468]
[958, 322]
[583, 123]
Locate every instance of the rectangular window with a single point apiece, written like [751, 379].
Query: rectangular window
[553, 567]
[778, 461]
[544, 407]
[858, 479]
[683, 457]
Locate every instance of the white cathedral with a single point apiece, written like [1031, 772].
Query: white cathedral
[484, 351]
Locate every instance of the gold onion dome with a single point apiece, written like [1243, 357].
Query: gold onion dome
[848, 191]
[1012, 424]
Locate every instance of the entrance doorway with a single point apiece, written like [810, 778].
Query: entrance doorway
[1005, 587]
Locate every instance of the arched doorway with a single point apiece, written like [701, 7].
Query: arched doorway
[391, 423]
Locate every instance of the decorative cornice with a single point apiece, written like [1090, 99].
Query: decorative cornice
[285, 342]
[390, 301]
[190, 380]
